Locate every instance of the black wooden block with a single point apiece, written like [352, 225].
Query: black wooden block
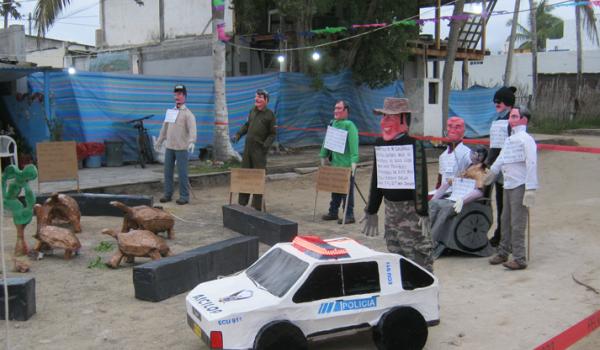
[96, 204]
[164, 278]
[21, 298]
[269, 229]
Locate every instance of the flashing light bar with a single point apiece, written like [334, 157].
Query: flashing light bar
[316, 245]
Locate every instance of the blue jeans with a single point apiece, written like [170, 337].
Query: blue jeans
[181, 157]
[338, 199]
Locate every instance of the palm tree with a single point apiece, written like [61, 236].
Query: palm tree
[511, 44]
[223, 150]
[589, 22]
[9, 8]
[546, 25]
[455, 27]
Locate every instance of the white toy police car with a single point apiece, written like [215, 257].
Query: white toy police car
[312, 287]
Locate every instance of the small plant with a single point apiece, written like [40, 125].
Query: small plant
[96, 263]
[104, 246]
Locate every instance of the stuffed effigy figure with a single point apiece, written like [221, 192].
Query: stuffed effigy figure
[399, 178]
[444, 211]
[22, 214]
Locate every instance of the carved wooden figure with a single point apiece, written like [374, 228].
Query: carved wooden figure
[53, 237]
[64, 209]
[143, 217]
[137, 243]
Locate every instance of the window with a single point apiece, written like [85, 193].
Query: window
[277, 271]
[413, 276]
[361, 278]
[324, 282]
[433, 92]
[333, 281]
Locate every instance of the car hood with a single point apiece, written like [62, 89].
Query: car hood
[229, 296]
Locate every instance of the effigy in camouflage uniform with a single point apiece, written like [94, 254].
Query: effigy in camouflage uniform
[405, 206]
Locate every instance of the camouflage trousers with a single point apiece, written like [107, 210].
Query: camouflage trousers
[404, 234]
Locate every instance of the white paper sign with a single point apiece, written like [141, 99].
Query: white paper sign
[171, 115]
[448, 166]
[335, 139]
[513, 152]
[395, 167]
[498, 133]
[461, 187]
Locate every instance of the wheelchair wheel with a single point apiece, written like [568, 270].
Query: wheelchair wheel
[470, 233]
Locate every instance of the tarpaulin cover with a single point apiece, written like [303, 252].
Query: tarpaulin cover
[95, 106]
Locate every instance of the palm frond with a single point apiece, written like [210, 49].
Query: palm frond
[46, 12]
[589, 23]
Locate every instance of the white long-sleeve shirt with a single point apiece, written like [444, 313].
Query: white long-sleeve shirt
[517, 173]
[453, 164]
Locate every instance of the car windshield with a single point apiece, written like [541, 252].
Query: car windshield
[277, 271]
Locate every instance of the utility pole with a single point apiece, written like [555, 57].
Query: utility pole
[29, 20]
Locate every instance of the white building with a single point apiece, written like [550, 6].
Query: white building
[160, 37]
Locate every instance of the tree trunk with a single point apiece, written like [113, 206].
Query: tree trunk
[357, 42]
[534, 48]
[223, 150]
[455, 27]
[511, 44]
[465, 74]
[579, 55]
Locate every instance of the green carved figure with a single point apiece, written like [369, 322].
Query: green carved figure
[22, 214]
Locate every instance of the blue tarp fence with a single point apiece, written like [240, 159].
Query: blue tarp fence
[95, 106]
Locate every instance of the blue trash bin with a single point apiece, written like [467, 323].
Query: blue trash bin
[93, 162]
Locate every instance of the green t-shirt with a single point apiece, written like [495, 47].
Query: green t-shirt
[350, 154]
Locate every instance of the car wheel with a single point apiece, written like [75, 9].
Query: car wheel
[402, 328]
[280, 335]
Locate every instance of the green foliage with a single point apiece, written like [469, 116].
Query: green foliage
[9, 8]
[56, 128]
[96, 263]
[548, 27]
[104, 246]
[375, 59]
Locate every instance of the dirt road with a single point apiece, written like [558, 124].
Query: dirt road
[482, 306]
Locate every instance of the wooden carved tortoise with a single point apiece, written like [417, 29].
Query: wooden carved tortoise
[143, 217]
[53, 237]
[137, 243]
[63, 209]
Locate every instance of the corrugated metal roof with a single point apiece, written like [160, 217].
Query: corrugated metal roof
[10, 72]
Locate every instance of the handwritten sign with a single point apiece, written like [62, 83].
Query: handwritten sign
[171, 115]
[335, 139]
[513, 151]
[333, 179]
[247, 181]
[498, 133]
[56, 161]
[461, 187]
[395, 167]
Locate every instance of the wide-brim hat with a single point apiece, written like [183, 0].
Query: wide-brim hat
[393, 105]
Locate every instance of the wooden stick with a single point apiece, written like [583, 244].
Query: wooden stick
[528, 235]
[315, 207]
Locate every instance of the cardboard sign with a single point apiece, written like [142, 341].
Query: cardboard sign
[247, 181]
[461, 187]
[333, 179]
[335, 139]
[57, 161]
[395, 167]
[498, 133]
[171, 115]
[513, 152]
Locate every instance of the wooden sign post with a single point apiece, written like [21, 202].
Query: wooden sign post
[57, 161]
[248, 181]
[334, 180]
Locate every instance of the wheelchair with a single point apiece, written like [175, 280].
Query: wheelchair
[467, 232]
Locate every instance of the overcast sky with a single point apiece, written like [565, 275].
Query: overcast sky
[80, 20]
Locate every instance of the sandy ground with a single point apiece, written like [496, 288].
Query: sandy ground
[482, 306]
